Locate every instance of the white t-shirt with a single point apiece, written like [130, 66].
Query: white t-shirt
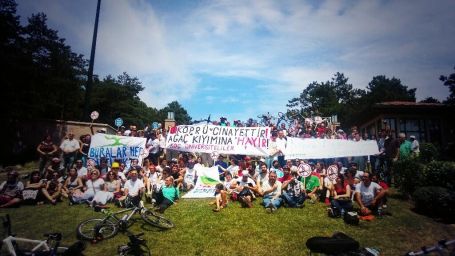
[189, 177]
[82, 172]
[276, 192]
[133, 186]
[69, 145]
[234, 170]
[367, 194]
[281, 145]
[94, 186]
[153, 146]
[240, 182]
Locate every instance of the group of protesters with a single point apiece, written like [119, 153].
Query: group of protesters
[65, 171]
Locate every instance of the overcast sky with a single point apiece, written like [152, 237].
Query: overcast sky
[240, 59]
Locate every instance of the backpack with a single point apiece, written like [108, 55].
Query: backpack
[351, 218]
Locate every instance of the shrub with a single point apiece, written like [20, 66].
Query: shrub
[428, 152]
[408, 175]
[435, 202]
[440, 173]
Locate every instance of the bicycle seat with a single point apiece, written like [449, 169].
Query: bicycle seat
[54, 236]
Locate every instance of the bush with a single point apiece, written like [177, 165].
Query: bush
[435, 202]
[428, 152]
[441, 174]
[408, 175]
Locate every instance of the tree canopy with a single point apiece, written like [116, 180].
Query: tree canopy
[338, 97]
[43, 78]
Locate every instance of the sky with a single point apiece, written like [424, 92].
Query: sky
[240, 59]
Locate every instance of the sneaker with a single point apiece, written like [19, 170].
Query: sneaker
[269, 208]
[273, 209]
[327, 201]
[299, 205]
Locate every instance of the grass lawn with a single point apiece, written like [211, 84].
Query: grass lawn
[239, 231]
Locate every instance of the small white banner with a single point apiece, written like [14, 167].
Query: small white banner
[205, 184]
[298, 148]
[116, 147]
[220, 139]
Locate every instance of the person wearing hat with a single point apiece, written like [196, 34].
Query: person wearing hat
[415, 146]
[11, 190]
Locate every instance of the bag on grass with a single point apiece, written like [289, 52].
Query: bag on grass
[351, 218]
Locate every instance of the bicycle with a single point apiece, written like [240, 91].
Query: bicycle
[136, 246]
[48, 247]
[103, 228]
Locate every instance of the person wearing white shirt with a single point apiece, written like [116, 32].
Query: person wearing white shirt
[281, 146]
[69, 147]
[133, 189]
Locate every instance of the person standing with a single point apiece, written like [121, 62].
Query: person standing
[415, 146]
[405, 146]
[69, 147]
[46, 149]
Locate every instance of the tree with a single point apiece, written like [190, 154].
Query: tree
[450, 82]
[430, 100]
[383, 89]
[118, 97]
[180, 114]
[334, 97]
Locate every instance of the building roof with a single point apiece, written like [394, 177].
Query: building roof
[408, 104]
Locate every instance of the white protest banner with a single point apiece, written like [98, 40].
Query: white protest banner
[205, 184]
[116, 147]
[328, 148]
[222, 139]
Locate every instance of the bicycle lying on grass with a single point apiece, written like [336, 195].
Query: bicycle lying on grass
[107, 227]
[48, 247]
[136, 246]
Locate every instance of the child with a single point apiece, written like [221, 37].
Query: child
[220, 197]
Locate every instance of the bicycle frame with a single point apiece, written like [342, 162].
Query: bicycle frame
[40, 245]
[132, 210]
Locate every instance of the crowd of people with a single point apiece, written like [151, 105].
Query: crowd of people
[65, 173]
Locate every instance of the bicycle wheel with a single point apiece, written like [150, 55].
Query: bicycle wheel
[86, 229]
[156, 220]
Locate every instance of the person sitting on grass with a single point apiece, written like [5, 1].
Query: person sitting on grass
[311, 187]
[341, 193]
[11, 190]
[293, 191]
[271, 193]
[53, 189]
[133, 189]
[384, 186]
[111, 188]
[368, 195]
[92, 186]
[168, 195]
[245, 188]
[73, 184]
[32, 192]
[230, 185]
[220, 197]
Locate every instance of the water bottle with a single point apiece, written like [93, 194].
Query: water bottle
[380, 212]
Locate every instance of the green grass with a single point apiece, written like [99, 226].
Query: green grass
[239, 231]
